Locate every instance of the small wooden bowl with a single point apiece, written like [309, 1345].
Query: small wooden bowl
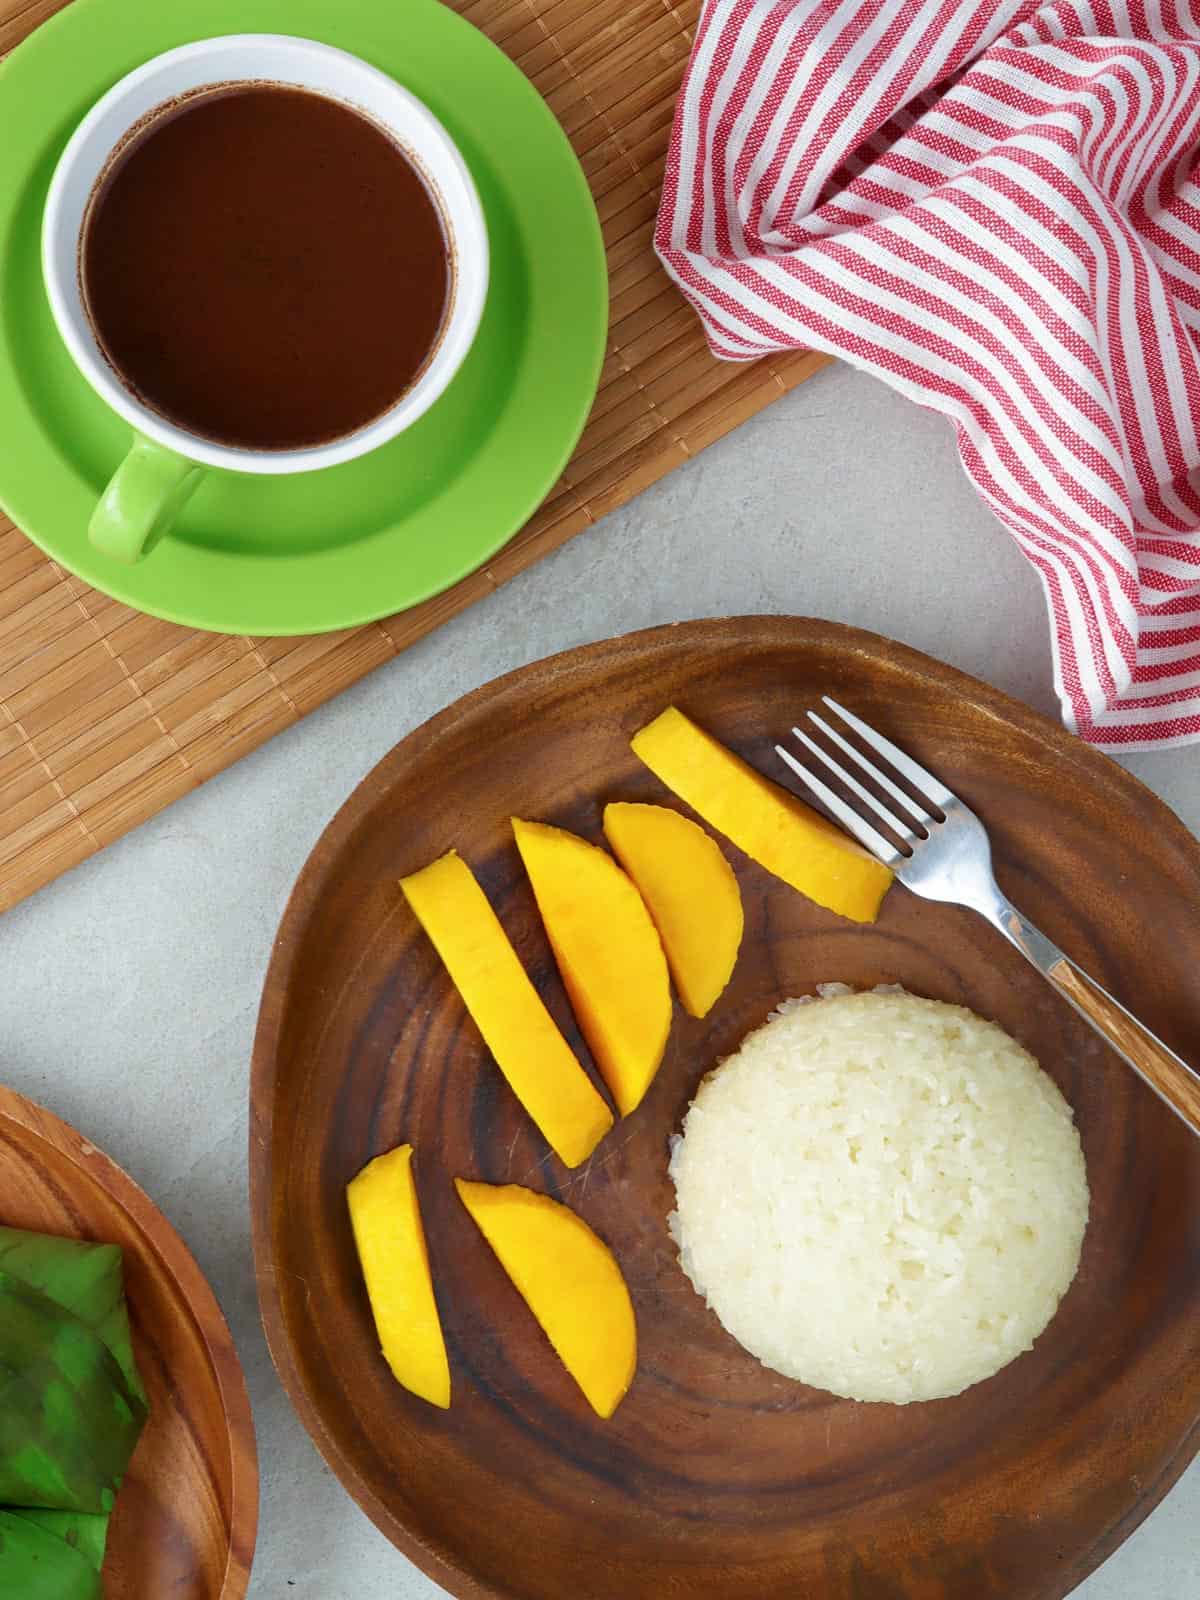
[187, 1513]
[716, 1479]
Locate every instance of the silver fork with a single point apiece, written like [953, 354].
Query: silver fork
[945, 855]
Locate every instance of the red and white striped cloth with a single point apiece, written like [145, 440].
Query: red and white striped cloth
[992, 207]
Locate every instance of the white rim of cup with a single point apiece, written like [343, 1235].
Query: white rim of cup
[468, 244]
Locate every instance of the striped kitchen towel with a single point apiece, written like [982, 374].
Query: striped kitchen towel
[993, 208]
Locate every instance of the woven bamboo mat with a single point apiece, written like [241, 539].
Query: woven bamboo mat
[107, 715]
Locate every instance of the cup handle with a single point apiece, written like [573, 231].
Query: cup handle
[144, 496]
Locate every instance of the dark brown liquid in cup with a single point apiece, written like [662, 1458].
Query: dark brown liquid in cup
[265, 268]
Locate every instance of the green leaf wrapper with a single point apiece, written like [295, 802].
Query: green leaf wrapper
[82, 1278]
[71, 1408]
[36, 1565]
[68, 1418]
[84, 1533]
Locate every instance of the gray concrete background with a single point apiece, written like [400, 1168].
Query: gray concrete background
[129, 988]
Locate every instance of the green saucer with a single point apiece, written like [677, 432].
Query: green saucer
[330, 549]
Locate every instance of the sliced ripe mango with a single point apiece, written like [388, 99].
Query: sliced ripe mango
[539, 1064]
[775, 829]
[568, 1278]
[608, 951]
[690, 890]
[386, 1219]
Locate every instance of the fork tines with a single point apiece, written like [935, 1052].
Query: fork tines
[850, 818]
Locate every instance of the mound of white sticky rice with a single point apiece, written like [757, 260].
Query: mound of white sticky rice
[880, 1195]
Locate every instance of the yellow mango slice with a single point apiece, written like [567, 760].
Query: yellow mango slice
[568, 1278]
[387, 1227]
[608, 951]
[540, 1065]
[690, 890]
[775, 829]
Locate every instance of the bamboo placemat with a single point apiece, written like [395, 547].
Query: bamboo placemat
[107, 715]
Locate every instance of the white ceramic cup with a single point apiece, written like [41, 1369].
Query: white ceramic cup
[166, 462]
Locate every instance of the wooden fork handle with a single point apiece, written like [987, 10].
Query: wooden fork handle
[1166, 1073]
[1154, 1062]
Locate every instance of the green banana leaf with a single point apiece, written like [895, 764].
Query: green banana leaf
[86, 1534]
[68, 1419]
[36, 1565]
[71, 1408]
[83, 1278]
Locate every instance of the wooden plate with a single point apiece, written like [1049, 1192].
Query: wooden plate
[717, 1478]
[186, 1516]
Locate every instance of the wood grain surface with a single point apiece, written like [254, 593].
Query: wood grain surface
[716, 1479]
[1175, 1082]
[187, 1514]
[106, 715]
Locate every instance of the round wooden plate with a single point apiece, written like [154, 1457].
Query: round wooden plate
[187, 1512]
[716, 1478]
